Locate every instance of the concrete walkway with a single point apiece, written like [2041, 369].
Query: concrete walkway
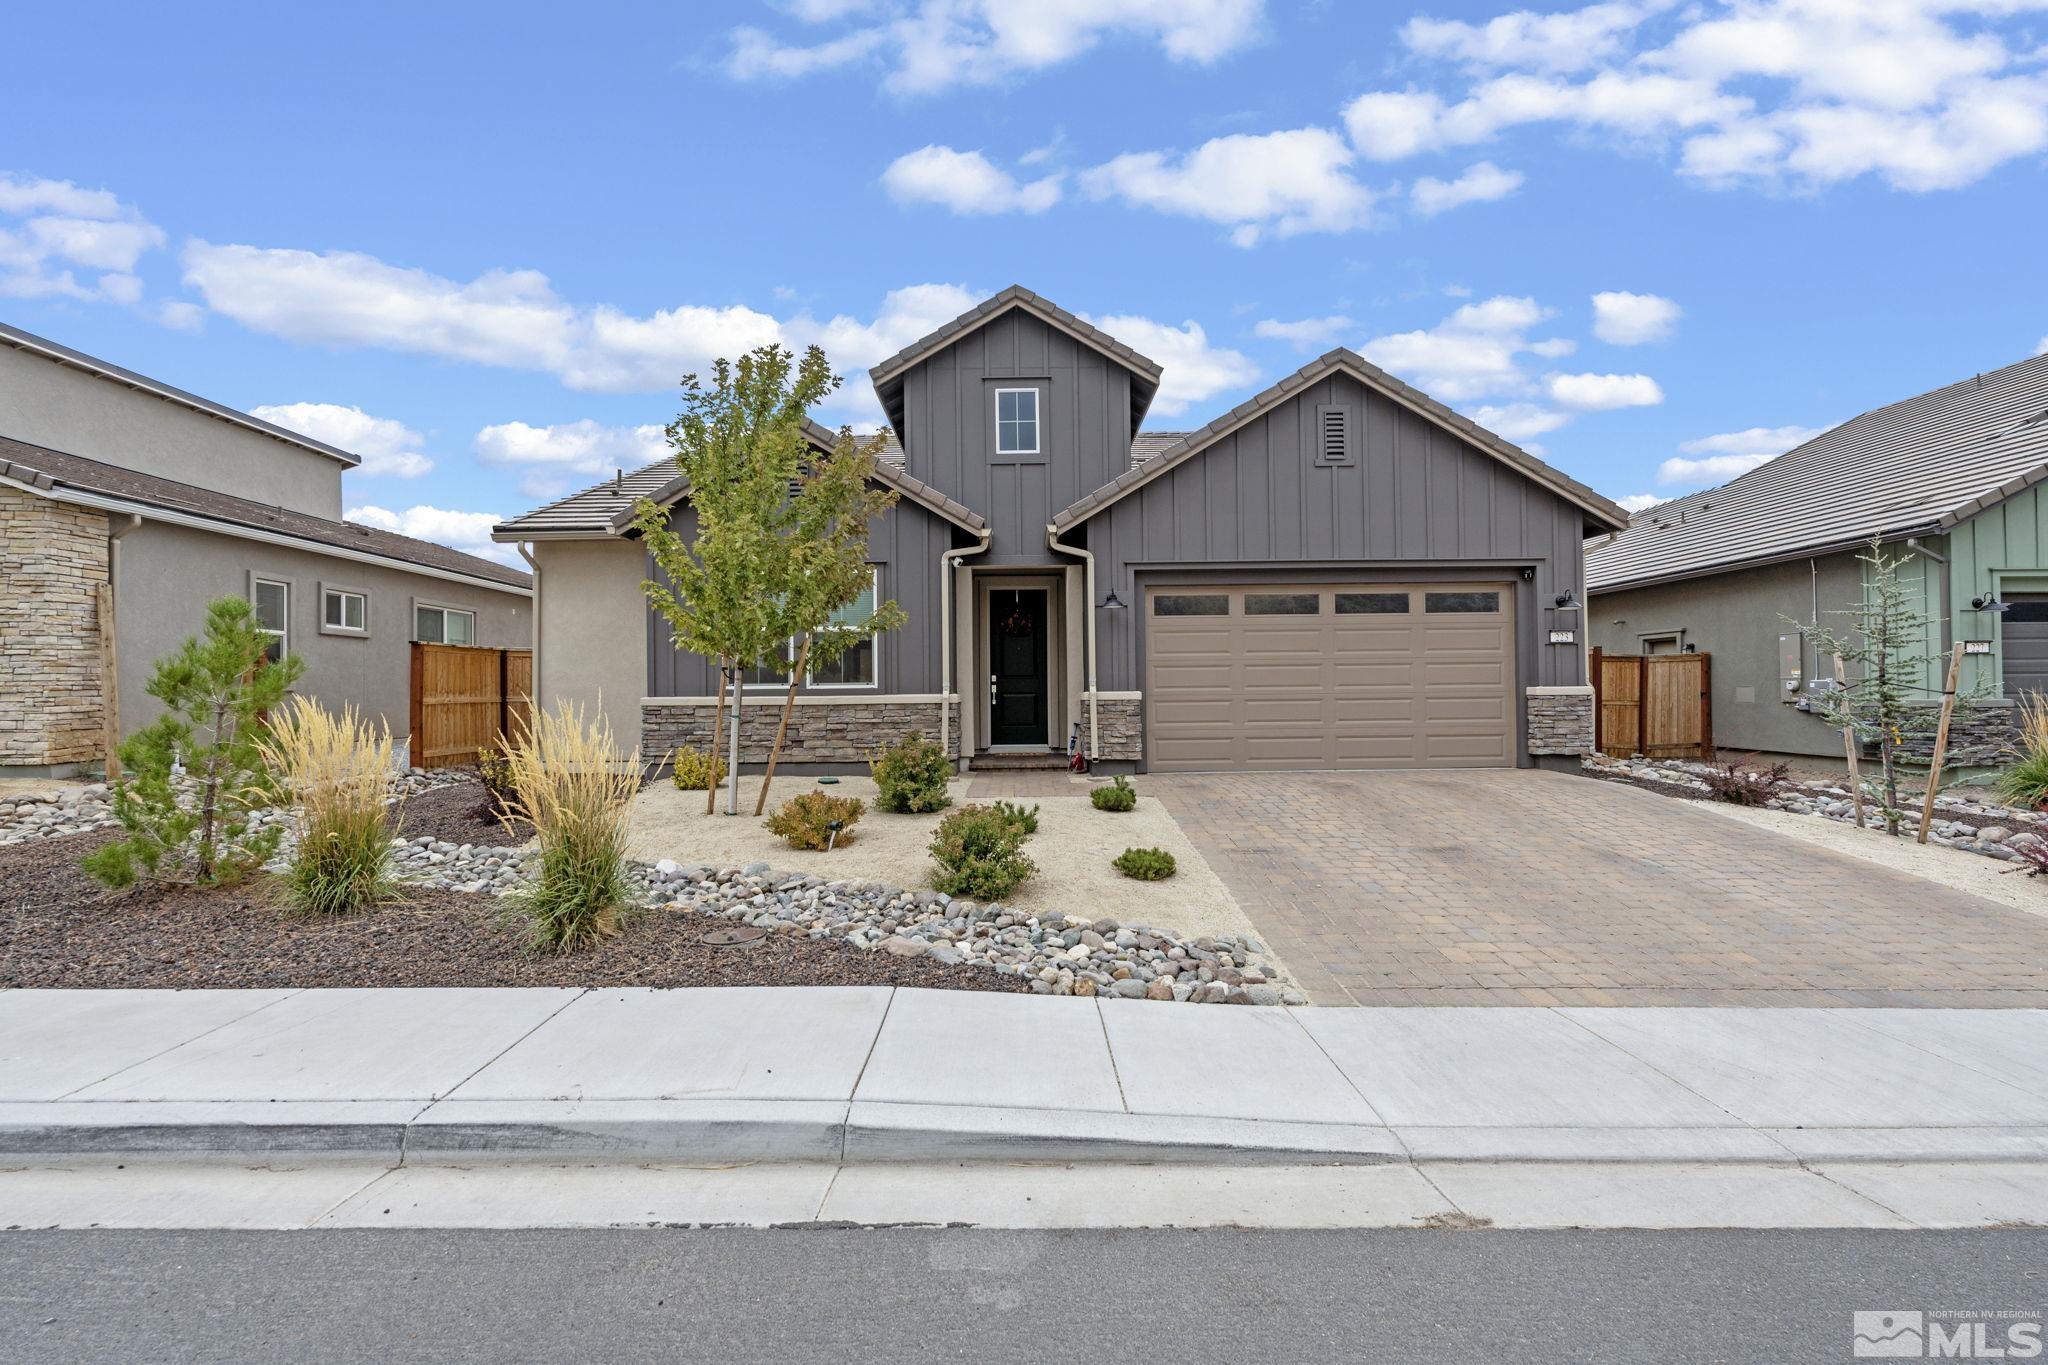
[873, 1074]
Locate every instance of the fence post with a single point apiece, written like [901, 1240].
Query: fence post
[1643, 705]
[1707, 750]
[504, 693]
[417, 738]
[1593, 667]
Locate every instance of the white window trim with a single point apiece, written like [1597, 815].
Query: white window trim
[1037, 417]
[353, 632]
[283, 635]
[782, 684]
[470, 612]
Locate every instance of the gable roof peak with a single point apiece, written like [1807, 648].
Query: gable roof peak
[1015, 296]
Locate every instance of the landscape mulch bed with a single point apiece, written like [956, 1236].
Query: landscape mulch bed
[58, 928]
[456, 813]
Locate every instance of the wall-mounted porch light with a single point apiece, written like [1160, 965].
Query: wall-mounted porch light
[1990, 602]
[1566, 601]
[1112, 602]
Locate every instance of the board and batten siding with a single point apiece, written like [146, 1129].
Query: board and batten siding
[949, 429]
[2004, 549]
[905, 543]
[1413, 494]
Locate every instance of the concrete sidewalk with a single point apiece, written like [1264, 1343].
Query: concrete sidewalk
[874, 1074]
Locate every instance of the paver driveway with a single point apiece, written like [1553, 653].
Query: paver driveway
[1528, 887]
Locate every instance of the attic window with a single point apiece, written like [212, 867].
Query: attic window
[1332, 435]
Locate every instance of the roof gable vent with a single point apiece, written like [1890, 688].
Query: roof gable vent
[1332, 435]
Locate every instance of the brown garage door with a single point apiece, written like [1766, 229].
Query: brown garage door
[1352, 675]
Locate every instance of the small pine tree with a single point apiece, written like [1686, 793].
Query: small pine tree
[1883, 697]
[192, 778]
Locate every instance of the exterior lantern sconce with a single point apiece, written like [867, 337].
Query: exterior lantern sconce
[1113, 602]
[1565, 601]
[1990, 602]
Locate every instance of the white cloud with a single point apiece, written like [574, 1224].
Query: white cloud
[1571, 41]
[469, 532]
[965, 182]
[1195, 371]
[934, 45]
[1637, 502]
[1712, 469]
[1519, 422]
[181, 316]
[1922, 94]
[1624, 319]
[62, 230]
[1730, 454]
[388, 447]
[584, 447]
[1284, 183]
[1304, 333]
[1482, 182]
[1603, 392]
[1469, 355]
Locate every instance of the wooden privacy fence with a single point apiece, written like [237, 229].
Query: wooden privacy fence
[464, 697]
[1656, 705]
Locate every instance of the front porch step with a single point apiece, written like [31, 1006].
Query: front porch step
[1050, 761]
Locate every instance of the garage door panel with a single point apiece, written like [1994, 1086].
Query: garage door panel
[1354, 688]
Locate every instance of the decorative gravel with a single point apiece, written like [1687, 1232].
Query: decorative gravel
[1969, 823]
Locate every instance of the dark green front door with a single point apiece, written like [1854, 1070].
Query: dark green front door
[1016, 654]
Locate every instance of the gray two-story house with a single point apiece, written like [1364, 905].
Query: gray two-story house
[1338, 573]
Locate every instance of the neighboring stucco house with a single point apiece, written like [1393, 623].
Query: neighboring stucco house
[1338, 573]
[1950, 480]
[111, 481]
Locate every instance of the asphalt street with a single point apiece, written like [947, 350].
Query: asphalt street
[934, 1294]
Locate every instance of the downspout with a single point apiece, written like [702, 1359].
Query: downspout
[1052, 538]
[111, 701]
[949, 560]
[525, 548]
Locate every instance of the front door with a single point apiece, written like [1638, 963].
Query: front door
[1017, 672]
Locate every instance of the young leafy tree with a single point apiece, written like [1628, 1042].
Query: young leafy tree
[833, 504]
[193, 777]
[1882, 698]
[740, 445]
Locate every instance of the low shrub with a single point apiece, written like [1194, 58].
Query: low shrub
[2024, 782]
[1745, 783]
[979, 850]
[2033, 853]
[494, 771]
[806, 820]
[1145, 864]
[574, 788]
[911, 777]
[1024, 821]
[694, 770]
[1119, 796]
[338, 772]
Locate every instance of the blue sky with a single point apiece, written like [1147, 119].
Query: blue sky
[1654, 241]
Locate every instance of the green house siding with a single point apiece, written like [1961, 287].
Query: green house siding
[2003, 549]
[1921, 577]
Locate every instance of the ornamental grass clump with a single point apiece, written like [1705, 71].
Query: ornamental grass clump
[815, 820]
[1118, 797]
[979, 850]
[1145, 864]
[2024, 782]
[338, 771]
[574, 788]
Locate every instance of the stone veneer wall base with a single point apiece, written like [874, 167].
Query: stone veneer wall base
[53, 559]
[819, 731]
[1560, 720]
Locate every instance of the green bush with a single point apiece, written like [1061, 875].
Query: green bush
[1120, 795]
[693, 770]
[494, 771]
[804, 821]
[979, 850]
[1145, 864]
[1025, 821]
[911, 777]
[2024, 782]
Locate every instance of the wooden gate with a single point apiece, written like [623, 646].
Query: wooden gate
[463, 698]
[1656, 705]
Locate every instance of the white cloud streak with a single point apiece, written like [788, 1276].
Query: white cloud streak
[389, 448]
[469, 532]
[1624, 319]
[1481, 183]
[966, 183]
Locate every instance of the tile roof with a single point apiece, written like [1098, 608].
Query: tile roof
[1922, 465]
[53, 470]
[64, 355]
[1350, 362]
